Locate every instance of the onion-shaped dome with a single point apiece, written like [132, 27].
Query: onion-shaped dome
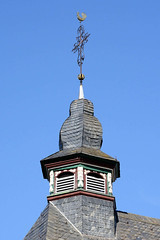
[81, 128]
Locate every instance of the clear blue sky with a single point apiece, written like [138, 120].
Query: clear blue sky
[38, 74]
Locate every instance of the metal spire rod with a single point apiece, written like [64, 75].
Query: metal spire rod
[82, 38]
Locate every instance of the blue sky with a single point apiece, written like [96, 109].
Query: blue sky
[38, 75]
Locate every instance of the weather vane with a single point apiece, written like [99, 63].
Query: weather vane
[82, 38]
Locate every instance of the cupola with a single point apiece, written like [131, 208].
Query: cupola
[80, 167]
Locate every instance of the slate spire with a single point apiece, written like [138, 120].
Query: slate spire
[81, 128]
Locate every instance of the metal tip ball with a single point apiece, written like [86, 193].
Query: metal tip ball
[81, 76]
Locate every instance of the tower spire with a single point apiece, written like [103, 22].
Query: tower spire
[82, 38]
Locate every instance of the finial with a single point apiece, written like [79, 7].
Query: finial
[82, 38]
[81, 93]
[81, 18]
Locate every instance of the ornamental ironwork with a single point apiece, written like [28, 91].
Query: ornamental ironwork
[81, 38]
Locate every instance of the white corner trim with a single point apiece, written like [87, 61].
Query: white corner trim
[67, 219]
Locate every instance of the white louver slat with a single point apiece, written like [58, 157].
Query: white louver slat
[65, 184]
[95, 184]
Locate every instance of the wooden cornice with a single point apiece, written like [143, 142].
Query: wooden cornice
[80, 192]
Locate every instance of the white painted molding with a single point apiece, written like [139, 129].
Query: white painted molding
[51, 181]
[80, 177]
[109, 175]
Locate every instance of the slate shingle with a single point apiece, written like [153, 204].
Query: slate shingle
[137, 227]
[81, 128]
[52, 225]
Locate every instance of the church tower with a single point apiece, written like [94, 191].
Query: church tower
[81, 204]
[81, 175]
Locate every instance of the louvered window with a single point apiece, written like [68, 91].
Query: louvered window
[65, 182]
[94, 182]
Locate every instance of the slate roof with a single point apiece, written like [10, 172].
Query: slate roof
[137, 227]
[83, 150]
[53, 225]
[81, 133]
[81, 128]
